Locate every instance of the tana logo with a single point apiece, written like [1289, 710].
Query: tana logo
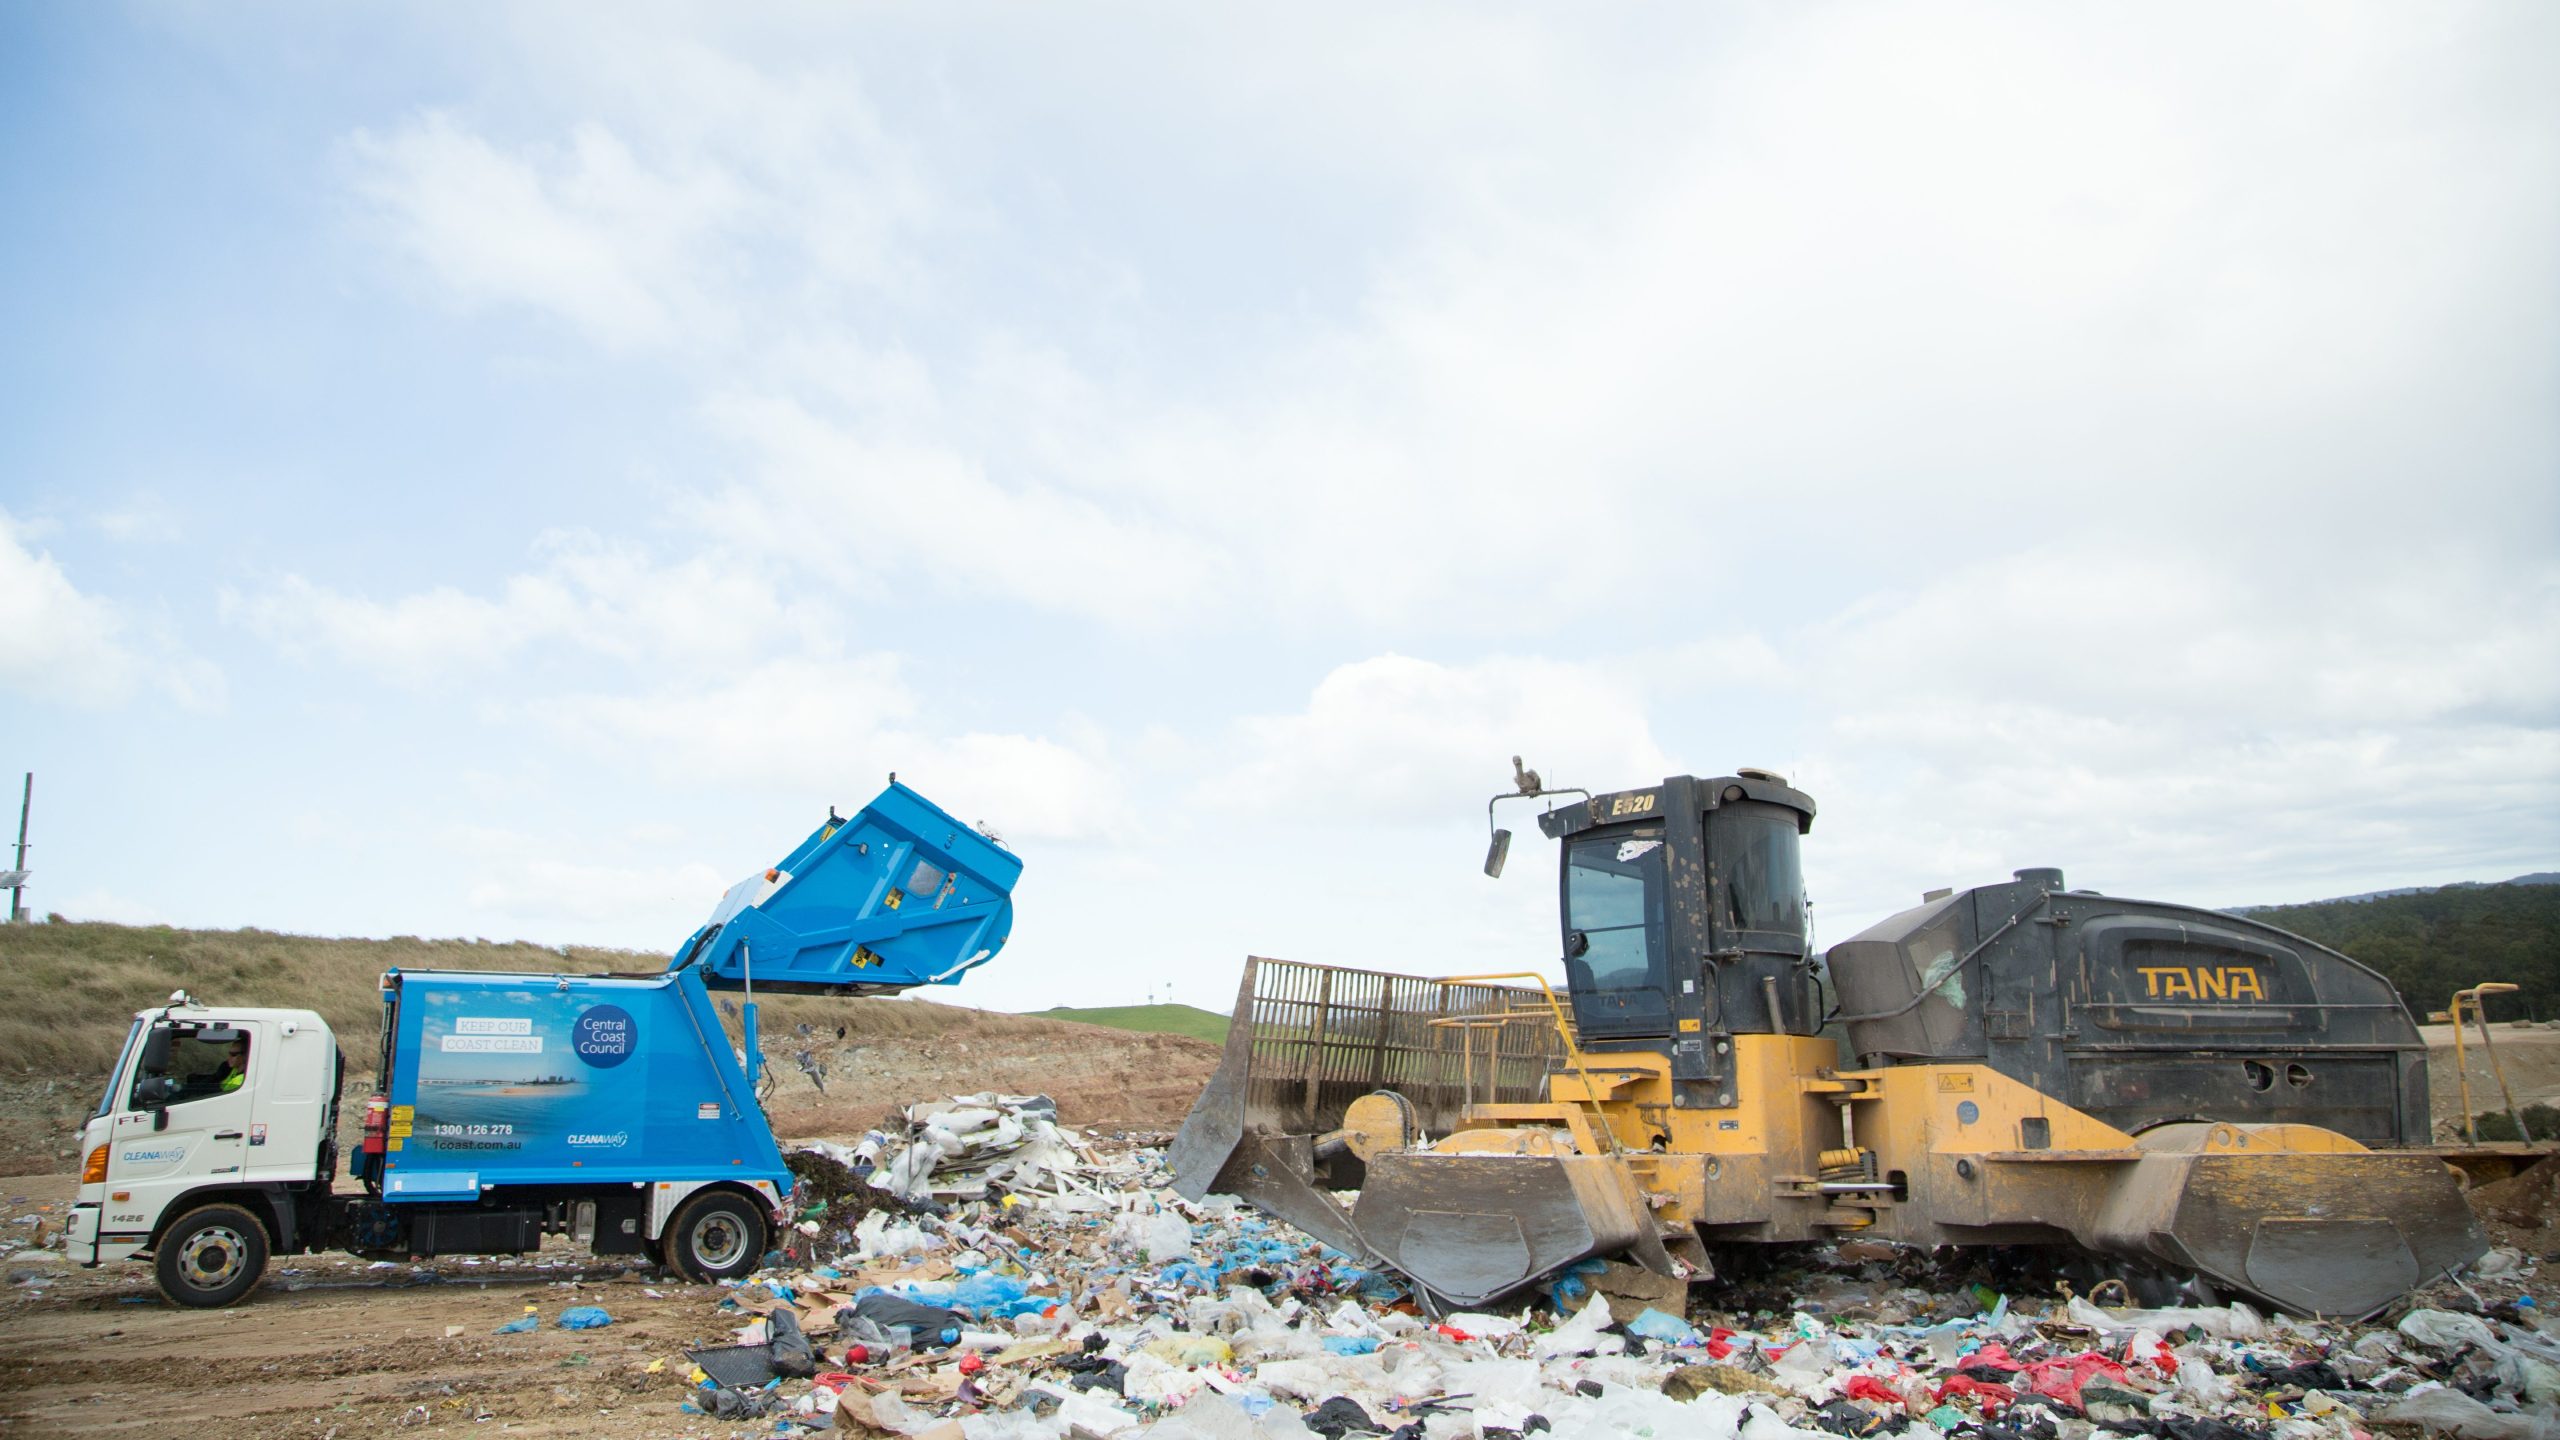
[2201, 982]
[613, 1141]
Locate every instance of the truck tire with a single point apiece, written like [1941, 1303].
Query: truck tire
[716, 1235]
[211, 1256]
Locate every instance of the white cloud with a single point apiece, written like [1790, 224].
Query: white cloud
[722, 201]
[804, 725]
[562, 893]
[920, 507]
[1394, 739]
[584, 231]
[604, 598]
[1904, 278]
[141, 520]
[2194, 723]
[56, 643]
[60, 644]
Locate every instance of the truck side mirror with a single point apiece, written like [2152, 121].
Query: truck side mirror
[155, 1050]
[1576, 945]
[155, 1091]
[1500, 852]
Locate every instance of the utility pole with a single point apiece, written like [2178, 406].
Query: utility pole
[18, 891]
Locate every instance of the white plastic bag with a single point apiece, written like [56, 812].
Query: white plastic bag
[2450, 1412]
[2234, 1321]
[1168, 1238]
[2446, 1330]
[1583, 1334]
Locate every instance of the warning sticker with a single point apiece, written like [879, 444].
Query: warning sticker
[1955, 1079]
[706, 1111]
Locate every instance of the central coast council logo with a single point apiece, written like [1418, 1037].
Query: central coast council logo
[604, 1036]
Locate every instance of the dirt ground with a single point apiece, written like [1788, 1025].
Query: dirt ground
[332, 1346]
[336, 1347]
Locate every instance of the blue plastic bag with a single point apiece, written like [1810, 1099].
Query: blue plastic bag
[1669, 1329]
[520, 1324]
[1190, 1275]
[1352, 1344]
[584, 1317]
[1570, 1289]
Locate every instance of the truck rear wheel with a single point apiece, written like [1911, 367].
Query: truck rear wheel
[716, 1235]
[211, 1256]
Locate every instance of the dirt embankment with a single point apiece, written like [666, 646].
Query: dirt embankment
[1101, 1079]
[2528, 1055]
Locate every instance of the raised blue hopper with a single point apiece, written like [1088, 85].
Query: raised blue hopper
[899, 894]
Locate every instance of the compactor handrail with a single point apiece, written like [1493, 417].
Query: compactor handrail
[2479, 995]
[1564, 1032]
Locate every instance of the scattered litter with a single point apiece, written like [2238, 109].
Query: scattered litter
[977, 1271]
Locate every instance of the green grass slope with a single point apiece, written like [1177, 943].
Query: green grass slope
[1154, 1019]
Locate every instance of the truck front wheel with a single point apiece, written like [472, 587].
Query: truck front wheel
[716, 1235]
[211, 1256]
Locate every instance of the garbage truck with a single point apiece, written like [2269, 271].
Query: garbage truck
[611, 1109]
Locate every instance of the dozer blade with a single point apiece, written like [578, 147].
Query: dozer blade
[1468, 1228]
[1307, 1040]
[2335, 1231]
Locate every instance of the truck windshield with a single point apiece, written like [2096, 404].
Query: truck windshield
[124, 1057]
[1613, 899]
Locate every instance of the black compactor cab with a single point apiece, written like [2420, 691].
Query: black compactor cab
[2135, 1012]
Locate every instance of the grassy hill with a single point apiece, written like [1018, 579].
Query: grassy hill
[1150, 1019]
[2435, 942]
[68, 989]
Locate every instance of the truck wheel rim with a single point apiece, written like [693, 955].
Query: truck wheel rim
[213, 1256]
[718, 1241]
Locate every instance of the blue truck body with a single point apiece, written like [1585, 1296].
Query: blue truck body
[522, 1083]
[563, 1080]
[899, 895]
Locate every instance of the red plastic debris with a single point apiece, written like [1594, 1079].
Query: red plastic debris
[1992, 1398]
[1868, 1387]
[2061, 1378]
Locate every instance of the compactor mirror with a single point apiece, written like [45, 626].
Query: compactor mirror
[1500, 851]
[1576, 945]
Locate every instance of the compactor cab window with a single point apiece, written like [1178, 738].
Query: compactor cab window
[202, 1061]
[1764, 877]
[1614, 943]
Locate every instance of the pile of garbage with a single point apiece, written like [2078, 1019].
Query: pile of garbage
[1022, 1286]
[965, 1147]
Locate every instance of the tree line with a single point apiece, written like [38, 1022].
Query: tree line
[2432, 944]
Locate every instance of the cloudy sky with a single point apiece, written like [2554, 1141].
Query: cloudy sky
[492, 470]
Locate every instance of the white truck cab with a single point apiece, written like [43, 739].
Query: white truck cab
[216, 1133]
